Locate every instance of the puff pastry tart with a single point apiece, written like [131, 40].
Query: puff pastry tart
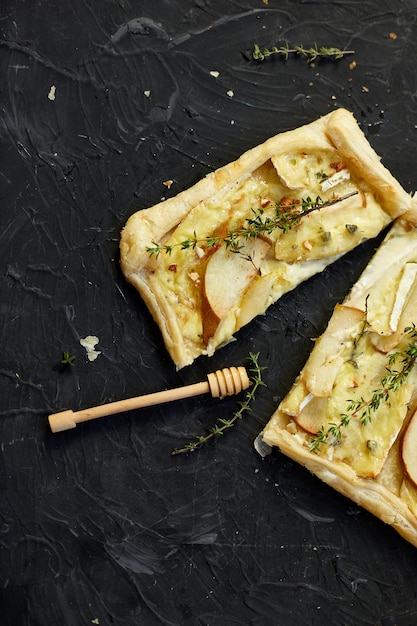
[351, 416]
[199, 288]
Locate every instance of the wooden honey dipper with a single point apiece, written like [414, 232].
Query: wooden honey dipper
[225, 382]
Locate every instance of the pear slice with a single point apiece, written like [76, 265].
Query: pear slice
[409, 449]
[309, 417]
[327, 357]
[228, 274]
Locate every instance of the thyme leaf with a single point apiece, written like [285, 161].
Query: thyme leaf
[68, 359]
[222, 424]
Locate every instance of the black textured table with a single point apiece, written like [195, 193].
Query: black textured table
[102, 102]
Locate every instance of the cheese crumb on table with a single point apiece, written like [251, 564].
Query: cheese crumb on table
[89, 343]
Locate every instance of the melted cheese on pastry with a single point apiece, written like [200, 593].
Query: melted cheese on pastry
[202, 294]
[365, 341]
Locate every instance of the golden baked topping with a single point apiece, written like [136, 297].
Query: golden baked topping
[218, 254]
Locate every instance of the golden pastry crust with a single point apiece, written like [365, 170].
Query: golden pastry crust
[180, 289]
[364, 340]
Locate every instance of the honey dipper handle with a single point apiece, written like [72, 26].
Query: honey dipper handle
[220, 383]
[69, 419]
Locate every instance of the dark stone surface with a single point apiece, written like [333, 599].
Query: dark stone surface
[101, 524]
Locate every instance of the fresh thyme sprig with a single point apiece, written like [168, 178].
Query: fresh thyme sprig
[363, 409]
[223, 424]
[287, 215]
[310, 54]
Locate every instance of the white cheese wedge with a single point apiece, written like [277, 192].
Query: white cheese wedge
[297, 170]
[407, 279]
[335, 179]
[382, 289]
[408, 318]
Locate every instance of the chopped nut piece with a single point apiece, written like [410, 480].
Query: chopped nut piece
[288, 202]
[338, 166]
[265, 202]
[195, 277]
[351, 228]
